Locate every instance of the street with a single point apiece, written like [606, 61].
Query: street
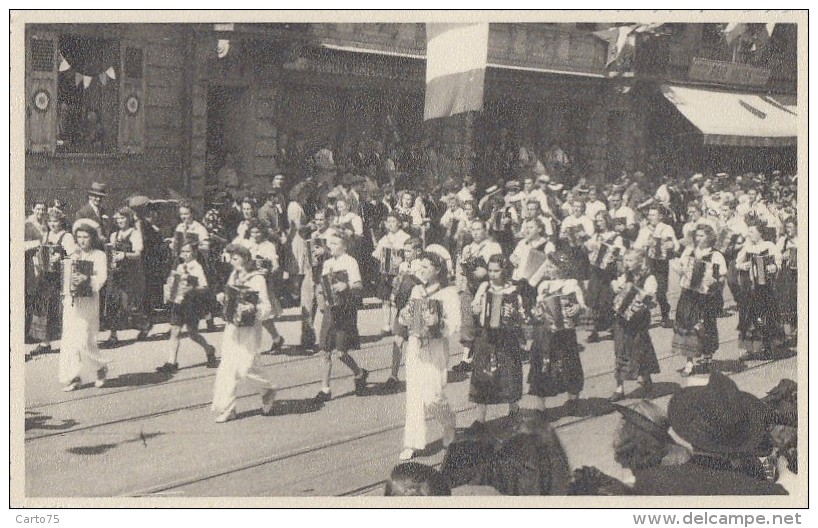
[152, 434]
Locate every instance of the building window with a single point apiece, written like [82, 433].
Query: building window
[88, 94]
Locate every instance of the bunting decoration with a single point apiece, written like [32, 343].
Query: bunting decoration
[109, 74]
[755, 36]
[734, 30]
[622, 39]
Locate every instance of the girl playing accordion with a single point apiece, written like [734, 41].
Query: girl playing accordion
[703, 271]
[246, 305]
[555, 364]
[390, 253]
[84, 274]
[497, 372]
[185, 292]
[634, 354]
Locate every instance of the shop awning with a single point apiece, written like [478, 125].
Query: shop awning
[736, 119]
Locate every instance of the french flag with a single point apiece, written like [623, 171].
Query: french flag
[456, 56]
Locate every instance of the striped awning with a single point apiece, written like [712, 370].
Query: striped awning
[736, 119]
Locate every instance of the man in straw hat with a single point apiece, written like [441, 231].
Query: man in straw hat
[93, 209]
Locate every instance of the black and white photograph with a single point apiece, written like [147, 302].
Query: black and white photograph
[336, 258]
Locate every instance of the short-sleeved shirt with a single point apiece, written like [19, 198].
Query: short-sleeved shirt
[343, 263]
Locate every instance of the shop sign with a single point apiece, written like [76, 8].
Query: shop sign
[728, 73]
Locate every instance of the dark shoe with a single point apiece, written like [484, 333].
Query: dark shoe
[143, 334]
[112, 342]
[322, 397]
[212, 362]
[463, 366]
[667, 323]
[360, 381]
[41, 349]
[276, 346]
[168, 368]
[615, 397]
[593, 337]
[391, 385]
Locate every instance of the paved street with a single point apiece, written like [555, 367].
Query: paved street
[149, 434]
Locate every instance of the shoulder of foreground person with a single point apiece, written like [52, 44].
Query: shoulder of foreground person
[692, 479]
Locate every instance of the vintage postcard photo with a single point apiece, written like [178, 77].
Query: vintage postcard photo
[342, 258]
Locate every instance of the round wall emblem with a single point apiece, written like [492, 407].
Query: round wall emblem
[132, 104]
[42, 100]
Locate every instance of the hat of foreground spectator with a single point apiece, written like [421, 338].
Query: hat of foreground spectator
[718, 417]
[413, 479]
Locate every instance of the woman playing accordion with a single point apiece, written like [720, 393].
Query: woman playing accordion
[703, 271]
[634, 354]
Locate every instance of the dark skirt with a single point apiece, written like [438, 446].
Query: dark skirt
[123, 299]
[633, 348]
[467, 323]
[384, 286]
[581, 265]
[339, 330]
[759, 323]
[46, 322]
[497, 369]
[787, 290]
[599, 298]
[187, 314]
[555, 364]
[696, 330]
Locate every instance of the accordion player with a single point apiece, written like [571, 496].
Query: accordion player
[180, 238]
[758, 268]
[630, 301]
[313, 244]
[391, 259]
[240, 304]
[558, 312]
[658, 249]
[73, 268]
[120, 246]
[501, 310]
[420, 324]
[699, 275]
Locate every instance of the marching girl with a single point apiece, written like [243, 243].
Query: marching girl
[193, 231]
[427, 355]
[634, 354]
[339, 327]
[574, 232]
[534, 233]
[787, 278]
[394, 240]
[759, 317]
[266, 256]
[123, 300]
[241, 344]
[410, 217]
[188, 311]
[555, 364]
[497, 371]
[408, 277]
[696, 332]
[600, 294]
[736, 233]
[249, 211]
[80, 318]
[46, 325]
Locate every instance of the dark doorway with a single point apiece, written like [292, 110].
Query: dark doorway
[230, 136]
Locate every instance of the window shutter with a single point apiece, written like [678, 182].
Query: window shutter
[41, 92]
[132, 109]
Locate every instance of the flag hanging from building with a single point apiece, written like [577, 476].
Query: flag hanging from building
[619, 39]
[456, 56]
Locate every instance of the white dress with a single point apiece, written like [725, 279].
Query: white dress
[240, 347]
[426, 366]
[80, 322]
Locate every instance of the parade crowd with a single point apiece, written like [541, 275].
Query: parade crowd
[500, 276]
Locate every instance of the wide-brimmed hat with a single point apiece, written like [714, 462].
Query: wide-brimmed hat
[98, 189]
[646, 416]
[718, 417]
[492, 190]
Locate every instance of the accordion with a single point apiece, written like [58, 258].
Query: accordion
[575, 235]
[792, 258]
[419, 327]
[179, 285]
[604, 257]
[727, 241]
[501, 310]
[699, 275]
[333, 298]
[657, 250]
[758, 268]
[181, 238]
[72, 268]
[312, 245]
[123, 246]
[264, 264]
[629, 302]
[391, 260]
[240, 305]
[532, 263]
[555, 311]
[619, 221]
[47, 251]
